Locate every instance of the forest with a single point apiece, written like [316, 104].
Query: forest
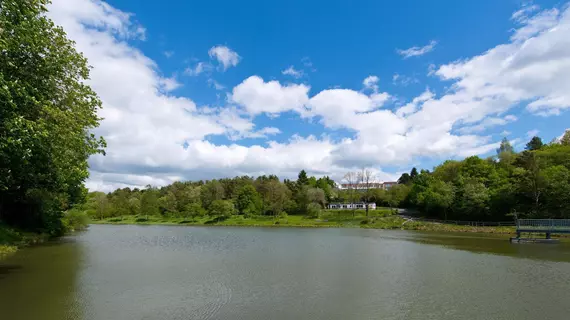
[532, 183]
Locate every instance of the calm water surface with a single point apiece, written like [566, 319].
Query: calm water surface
[159, 272]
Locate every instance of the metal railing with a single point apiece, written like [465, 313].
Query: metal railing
[552, 225]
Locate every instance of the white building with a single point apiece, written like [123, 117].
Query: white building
[371, 185]
[358, 205]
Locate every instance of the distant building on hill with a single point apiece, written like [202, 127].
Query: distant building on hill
[358, 205]
[372, 185]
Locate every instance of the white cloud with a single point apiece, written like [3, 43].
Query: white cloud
[155, 137]
[198, 69]
[169, 84]
[371, 82]
[488, 123]
[168, 54]
[531, 69]
[417, 101]
[269, 131]
[293, 73]
[532, 133]
[226, 56]
[402, 80]
[522, 14]
[417, 51]
[215, 84]
[258, 96]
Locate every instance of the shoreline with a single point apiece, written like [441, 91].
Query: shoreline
[381, 223]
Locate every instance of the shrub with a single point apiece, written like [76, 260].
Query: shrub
[221, 208]
[314, 210]
[75, 220]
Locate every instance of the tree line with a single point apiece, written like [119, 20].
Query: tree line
[534, 183]
[248, 196]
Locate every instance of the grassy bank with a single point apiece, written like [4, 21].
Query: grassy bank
[11, 239]
[378, 219]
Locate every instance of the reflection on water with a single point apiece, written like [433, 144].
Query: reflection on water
[41, 283]
[159, 272]
[490, 243]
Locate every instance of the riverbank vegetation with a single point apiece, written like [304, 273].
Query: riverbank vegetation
[46, 114]
[379, 219]
[532, 183]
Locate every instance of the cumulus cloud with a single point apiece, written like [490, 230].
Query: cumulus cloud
[417, 51]
[225, 56]
[156, 137]
[258, 96]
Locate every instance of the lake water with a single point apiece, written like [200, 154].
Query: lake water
[160, 272]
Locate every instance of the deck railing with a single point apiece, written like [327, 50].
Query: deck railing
[544, 225]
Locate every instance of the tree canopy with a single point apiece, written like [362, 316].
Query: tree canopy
[46, 113]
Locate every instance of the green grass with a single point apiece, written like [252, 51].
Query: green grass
[396, 222]
[377, 219]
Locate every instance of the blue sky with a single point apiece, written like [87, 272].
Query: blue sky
[199, 89]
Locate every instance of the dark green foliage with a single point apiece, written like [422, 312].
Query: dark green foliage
[533, 183]
[405, 178]
[413, 173]
[46, 113]
[302, 179]
[224, 208]
[534, 144]
[248, 201]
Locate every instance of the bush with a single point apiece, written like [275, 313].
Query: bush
[314, 210]
[141, 219]
[221, 208]
[75, 220]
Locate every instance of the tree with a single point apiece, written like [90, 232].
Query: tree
[316, 195]
[397, 194]
[149, 202]
[102, 205]
[534, 144]
[474, 201]
[565, 140]
[351, 179]
[556, 192]
[248, 201]
[366, 178]
[405, 178]
[46, 113]
[221, 208]
[414, 173]
[302, 179]
[437, 197]
[505, 146]
[278, 196]
[211, 191]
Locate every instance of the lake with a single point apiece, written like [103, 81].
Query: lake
[162, 272]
